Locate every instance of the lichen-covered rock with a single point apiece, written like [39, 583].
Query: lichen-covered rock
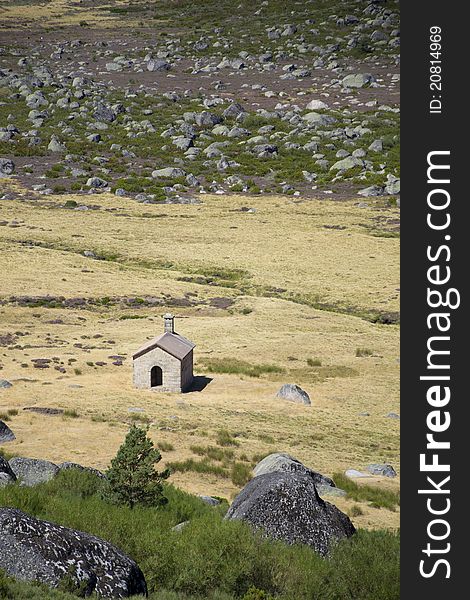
[287, 507]
[36, 550]
[382, 469]
[6, 434]
[6, 474]
[359, 80]
[65, 466]
[294, 393]
[32, 471]
[279, 462]
[7, 167]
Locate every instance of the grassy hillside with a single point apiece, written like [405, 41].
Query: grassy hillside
[210, 558]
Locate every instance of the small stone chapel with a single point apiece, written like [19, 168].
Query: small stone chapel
[165, 363]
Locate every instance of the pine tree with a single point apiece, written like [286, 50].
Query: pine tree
[132, 478]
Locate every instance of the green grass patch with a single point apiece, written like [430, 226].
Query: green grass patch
[377, 497]
[234, 366]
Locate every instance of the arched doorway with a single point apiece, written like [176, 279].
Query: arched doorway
[156, 377]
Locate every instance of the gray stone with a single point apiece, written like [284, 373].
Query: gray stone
[183, 143]
[316, 105]
[280, 462]
[113, 66]
[180, 526]
[207, 119]
[169, 172]
[314, 118]
[97, 183]
[71, 465]
[287, 507]
[263, 150]
[358, 81]
[209, 500]
[158, 65]
[355, 474]
[376, 146]
[373, 190]
[104, 114]
[7, 476]
[56, 146]
[5, 384]
[350, 162]
[233, 111]
[31, 471]
[36, 550]
[330, 490]
[382, 469]
[294, 393]
[6, 434]
[392, 186]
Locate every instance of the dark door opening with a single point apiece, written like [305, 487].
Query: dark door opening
[156, 377]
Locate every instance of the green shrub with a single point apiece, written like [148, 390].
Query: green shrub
[165, 446]
[240, 474]
[71, 413]
[225, 438]
[364, 352]
[313, 362]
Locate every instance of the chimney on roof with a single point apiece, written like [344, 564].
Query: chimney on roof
[169, 323]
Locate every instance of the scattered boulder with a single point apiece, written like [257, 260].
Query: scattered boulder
[358, 81]
[314, 118]
[32, 471]
[392, 186]
[372, 190]
[36, 550]
[209, 500]
[55, 145]
[350, 162]
[294, 393]
[97, 183]
[382, 469]
[104, 114]
[5, 384]
[6, 434]
[169, 172]
[207, 119]
[6, 474]
[355, 474]
[180, 526]
[316, 105]
[280, 462]
[65, 466]
[7, 167]
[158, 65]
[287, 507]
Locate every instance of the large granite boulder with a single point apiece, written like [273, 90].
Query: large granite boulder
[6, 474]
[287, 507]
[294, 393]
[31, 471]
[36, 550]
[6, 434]
[280, 462]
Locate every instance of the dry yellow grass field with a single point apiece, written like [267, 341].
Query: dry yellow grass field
[285, 260]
